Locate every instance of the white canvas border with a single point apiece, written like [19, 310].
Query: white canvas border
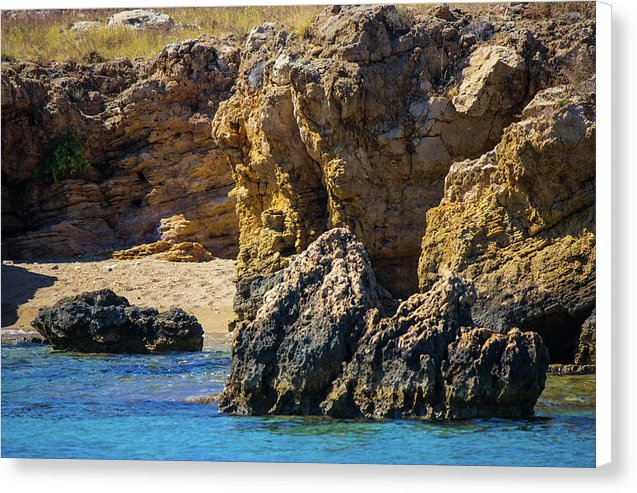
[603, 234]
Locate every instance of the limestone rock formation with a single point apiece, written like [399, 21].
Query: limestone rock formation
[155, 171]
[496, 78]
[492, 374]
[84, 26]
[585, 354]
[328, 339]
[186, 251]
[142, 19]
[354, 126]
[285, 360]
[519, 222]
[102, 322]
[425, 362]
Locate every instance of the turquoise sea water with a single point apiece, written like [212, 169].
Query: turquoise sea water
[60, 405]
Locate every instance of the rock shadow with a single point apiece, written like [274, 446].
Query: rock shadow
[18, 286]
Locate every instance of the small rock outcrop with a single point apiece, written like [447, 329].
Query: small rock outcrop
[285, 360]
[186, 251]
[103, 322]
[519, 222]
[84, 26]
[495, 79]
[142, 19]
[585, 353]
[328, 339]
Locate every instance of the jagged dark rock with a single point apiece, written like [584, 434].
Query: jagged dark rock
[328, 339]
[585, 354]
[103, 322]
[286, 359]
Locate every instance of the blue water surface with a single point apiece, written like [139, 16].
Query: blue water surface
[61, 405]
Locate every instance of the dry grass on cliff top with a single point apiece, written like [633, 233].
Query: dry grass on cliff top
[43, 36]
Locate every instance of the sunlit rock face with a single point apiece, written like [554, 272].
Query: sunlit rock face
[356, 126]
[155, 172]
[519, 222]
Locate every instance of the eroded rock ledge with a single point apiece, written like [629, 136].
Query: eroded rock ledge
[357, 126]
[330, 340]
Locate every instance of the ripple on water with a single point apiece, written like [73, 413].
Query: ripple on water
[64, 405]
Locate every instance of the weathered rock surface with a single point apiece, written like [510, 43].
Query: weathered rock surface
[186, 251]
[155, 170]
[285, 360]
[142, 19]
[519, 222]
[354, 127]
[358, 124]
[585, 354]
[492, 374]
[325, 341]
[102, 322]
[84, 25]
[496, 78]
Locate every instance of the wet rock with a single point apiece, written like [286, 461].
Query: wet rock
[328, 339]
[492, 374]
[560, 369]
[396, 369]
[142, 20]
[103, 322]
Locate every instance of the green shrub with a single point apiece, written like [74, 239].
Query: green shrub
[64, 157]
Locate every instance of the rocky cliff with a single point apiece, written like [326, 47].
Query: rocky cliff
[358, 124]
[445, 142]
[520, 223]
[155, 172]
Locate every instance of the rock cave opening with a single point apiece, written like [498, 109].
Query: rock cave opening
[142, 177]
[560, 331]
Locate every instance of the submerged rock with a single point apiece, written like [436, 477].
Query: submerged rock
[329, 340]
[103, 322]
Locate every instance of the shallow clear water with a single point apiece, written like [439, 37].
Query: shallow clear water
[60, 405]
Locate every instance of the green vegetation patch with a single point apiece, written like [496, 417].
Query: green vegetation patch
[64, 157]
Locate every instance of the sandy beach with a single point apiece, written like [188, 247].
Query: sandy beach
[204, 290]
